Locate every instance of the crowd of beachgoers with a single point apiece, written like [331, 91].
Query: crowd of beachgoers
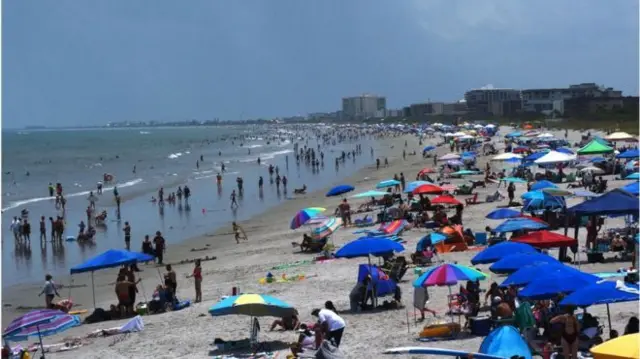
[460, 239]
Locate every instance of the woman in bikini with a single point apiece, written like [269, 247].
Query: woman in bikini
[570, 333]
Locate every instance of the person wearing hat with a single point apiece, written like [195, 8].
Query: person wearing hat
[331, 325]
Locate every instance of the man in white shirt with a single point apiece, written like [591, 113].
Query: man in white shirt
[331, 323]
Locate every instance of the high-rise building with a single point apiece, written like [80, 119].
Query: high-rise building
[363, 106]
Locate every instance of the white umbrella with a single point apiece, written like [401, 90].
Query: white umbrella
[459, 134]
[448, 134]
[490, 126]
[545, 135]
[506, 156]
[619, 136]
[466, 137]
[592, 169]
[449, 156]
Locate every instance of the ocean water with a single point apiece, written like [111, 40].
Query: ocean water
[163, 157]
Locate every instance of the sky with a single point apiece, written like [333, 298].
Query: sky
[89, 62]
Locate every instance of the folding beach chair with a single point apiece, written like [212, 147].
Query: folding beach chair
[391, 229]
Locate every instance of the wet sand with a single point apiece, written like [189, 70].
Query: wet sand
[190, 332]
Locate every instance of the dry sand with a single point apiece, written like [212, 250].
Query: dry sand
[190, 332]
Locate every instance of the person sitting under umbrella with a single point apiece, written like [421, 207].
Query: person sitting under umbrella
[287, 323]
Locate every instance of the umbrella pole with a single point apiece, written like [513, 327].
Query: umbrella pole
[609, 317]
[40, 339]
[449, 304]
[93, 289]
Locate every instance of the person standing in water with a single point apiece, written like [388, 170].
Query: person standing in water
[43, 229]
[260, 183]
[127, 235]
[284, 183]
[234, 203]
[158, 240]
[187, 193]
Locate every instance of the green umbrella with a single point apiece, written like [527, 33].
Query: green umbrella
[464, 173]
[595, 148]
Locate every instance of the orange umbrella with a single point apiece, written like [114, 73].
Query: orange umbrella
[446, 200]
[427, 189]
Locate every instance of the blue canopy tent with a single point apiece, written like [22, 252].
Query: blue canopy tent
[534, 156]
[109, 259]
[512, 263]
[565, 151]
[633, 188]
[628, 154]
[549, 284]
[501, 250]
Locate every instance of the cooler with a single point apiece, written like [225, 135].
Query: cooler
[480, 325]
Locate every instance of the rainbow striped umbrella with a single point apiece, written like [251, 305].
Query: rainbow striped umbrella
[305, 215]
[255, 305]
[326, 228]
[447, 274]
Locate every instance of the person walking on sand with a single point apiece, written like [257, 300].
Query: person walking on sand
[331, 325]
[197, 277]
[49, 290]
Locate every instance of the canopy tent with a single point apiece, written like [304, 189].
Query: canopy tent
[629, 154]
[619, 136]
[554, 157]
[595, 148]
[545, 239]
[534, 156]
[109, 259]
[506, 156]
[633, 188]
[613, 202]
[564, 150]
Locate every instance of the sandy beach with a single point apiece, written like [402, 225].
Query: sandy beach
[190, 333]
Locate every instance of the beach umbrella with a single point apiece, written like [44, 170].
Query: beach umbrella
[542, 200]
[464, 173]
[535, 156]
[513, 262]
[624, 347]
[447, 274]
[366, 246]
[411, 186]
[542, 185]
[428, 148]
[549, 284]
[598, 159]
[517, 224]
[634, 153]
[455, 163]
[595, 148]
[514, 134]
[326, 228]
[23, 327]
[619, 136]
[555, 191]
[425, 171]
[339, 190]
[545, 239]
[506, 156]
[388, 183]
[255, 305]
[632, 188]
[513, 180]
[503, 213]
[520, 149]
[501, 250]
[585, 193]
[369, 194]
[429, 240]
[449, 156]
[592, 169]
[633, 176]
[428, 189]
[304, 215]
[529, 273]
[450, 200]
[58, 324]
[565, 151]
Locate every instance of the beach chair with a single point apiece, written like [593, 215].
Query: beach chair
[391, 229]
[472, 200]
[481, 238]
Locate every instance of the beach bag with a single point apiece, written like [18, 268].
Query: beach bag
[328, 351]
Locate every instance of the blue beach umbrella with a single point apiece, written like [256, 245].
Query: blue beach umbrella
[565, 151]
[501, 250]
[429, 240]
[633, 188]
[633, 176]
[428, 148]
[603, 292]
[512, 263]
[388, 183]
[365, 246]
[629, 154]
[535, 156]
[411, 186]
[549, 285]
[542, 185]
[528, 274]
[517, 224]
[339, 190]
[503, 213]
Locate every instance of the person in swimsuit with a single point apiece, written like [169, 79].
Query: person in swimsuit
[570, 333]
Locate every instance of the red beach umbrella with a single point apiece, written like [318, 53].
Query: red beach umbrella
[545, 239]
[425, 171]
[445, 200]
[427, 189]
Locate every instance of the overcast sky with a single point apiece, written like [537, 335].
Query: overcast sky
[70, 62]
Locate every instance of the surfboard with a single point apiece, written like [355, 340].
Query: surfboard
[438, 351]
[79, 311]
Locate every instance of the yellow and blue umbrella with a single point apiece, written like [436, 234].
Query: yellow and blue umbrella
[305, 215]
[255, 305]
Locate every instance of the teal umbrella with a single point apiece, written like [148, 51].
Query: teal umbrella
[513, 180]
[369, 194]
[464, 173]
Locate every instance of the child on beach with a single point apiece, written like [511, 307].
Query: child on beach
[49, 290]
